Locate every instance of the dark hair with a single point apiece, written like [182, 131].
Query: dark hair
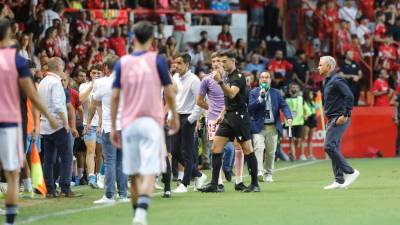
[229, 54]
[77, 70]
[300, 52]
[215, 54]
[4, 27]
[186, 58]
[203, 32]
[306, 95]
[31, 64]
[143, 31]
[238, 42]
[98, 67]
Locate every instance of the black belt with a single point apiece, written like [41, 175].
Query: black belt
[269, 123]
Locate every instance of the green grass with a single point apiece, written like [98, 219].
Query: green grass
[295, 198]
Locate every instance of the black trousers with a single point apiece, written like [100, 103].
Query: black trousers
[183, 147]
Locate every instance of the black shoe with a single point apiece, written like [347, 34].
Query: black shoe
[252, 188]
[209, 188]
[240, 187]
[52, 195]
[228, 175]
[167, 194]
[83, 181]
[221, 188]
[70, 194]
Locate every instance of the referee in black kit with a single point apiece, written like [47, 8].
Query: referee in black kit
[235, 123]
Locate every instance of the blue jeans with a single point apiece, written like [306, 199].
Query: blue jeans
[56, 146]
[113, 169]
[228, 156]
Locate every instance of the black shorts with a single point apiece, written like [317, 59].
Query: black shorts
[297, 131]
[235, 125]
[311, 121]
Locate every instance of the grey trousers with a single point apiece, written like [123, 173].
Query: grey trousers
[333, 139]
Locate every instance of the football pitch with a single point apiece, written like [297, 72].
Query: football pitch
[295, 198]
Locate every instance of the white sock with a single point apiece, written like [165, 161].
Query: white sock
[180, 175]
[220, 181]
[80, 172]
[28, 184]
[239, 179]
[140, 214]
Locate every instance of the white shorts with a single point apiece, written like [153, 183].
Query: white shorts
[11, 148]
[143, 147]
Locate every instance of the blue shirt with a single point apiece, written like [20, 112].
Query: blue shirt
[23, 71]
[338, 98]
[162, 68]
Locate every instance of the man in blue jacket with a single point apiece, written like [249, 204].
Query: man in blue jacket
[338, 103]
[264, 106]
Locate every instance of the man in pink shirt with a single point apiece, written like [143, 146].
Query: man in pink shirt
[14, 74]
[140, 76]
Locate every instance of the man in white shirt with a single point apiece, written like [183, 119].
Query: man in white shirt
[349, 13]
[189, 112]
[362, 30]
[112, 157]
[56, 141]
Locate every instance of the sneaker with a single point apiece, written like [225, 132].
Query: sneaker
[100, 181]
[221, 188]
[178, 182]
[138, 222]
[167, 194]
[104, 200]
[303, 158]
[334, 185]
[228, 175]
[252, 188]
[181, 189]
[268, 178]
[312, 158]
[199, 181]
[240, 187]
[52, 195]
[124, 199]
[350, 178]
[92, 182]
[209, 188]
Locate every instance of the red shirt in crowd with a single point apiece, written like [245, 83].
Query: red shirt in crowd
[118, 44]
[344, 40]
[381, 85]
[81, 50]
[197, 4]
[74, 97]
[282, 67]
[178, 20]
[82, 26]
[380, 30]
[356, 52]
[331, 18]
[95, 4]
[256, 4]
[367, 8]
[225, 40]
[386, 51]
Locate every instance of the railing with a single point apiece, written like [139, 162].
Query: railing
[367, 63]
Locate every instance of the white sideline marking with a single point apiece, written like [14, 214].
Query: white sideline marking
[73, 211]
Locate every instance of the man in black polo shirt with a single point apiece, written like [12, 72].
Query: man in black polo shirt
[352, 73]
[235, 123]
[301, 71]
[338, 103]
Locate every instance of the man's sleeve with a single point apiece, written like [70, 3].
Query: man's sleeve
[117, 71]
[348, 98]
[22, 66]
[239, 81]
[162, 68]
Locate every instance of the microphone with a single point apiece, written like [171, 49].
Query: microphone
[265, 87]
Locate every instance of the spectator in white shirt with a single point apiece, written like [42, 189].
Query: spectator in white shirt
[112, 156]
[349, 13]
[56, 141]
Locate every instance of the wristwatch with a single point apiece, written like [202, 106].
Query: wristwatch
[220, 82]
